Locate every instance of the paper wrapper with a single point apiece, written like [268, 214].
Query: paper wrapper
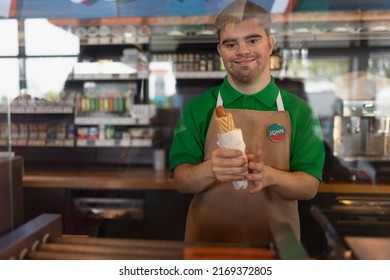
[234, 140]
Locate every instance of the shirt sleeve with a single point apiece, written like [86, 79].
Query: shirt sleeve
[189, 137]
[308, 150]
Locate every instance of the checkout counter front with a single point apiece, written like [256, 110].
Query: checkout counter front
[156, 212]
[42, 239]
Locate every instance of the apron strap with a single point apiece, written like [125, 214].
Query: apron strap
[279, 101]
[219, 99]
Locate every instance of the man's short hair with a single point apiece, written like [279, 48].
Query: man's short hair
[241, 10]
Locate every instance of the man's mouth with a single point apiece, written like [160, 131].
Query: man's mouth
[244, 61]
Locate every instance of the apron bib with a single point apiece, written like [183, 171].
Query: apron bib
[223, 214]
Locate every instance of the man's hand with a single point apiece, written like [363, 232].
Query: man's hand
[289, 185]
[259, 173]
[228, 164]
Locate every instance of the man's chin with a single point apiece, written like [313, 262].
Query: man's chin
[245, 76]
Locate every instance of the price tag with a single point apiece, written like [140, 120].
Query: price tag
[69, 143]
[30, 110]
[117, 40]
[104, 40]
[143, 40]
[93, 41]
[91, 143]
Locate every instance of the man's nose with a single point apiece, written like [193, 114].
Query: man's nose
[243, 48]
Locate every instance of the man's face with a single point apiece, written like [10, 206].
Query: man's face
[245, 49]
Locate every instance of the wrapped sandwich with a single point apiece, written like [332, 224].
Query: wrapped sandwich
[229, 137]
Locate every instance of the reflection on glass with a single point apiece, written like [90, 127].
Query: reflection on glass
[9, 37]
[9, 71]
[319, 75]
[379, 65]
[162, 83]
[104, 67]
[45, 38]
[47, 76]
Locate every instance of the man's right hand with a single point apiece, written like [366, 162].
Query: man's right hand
[228, 164]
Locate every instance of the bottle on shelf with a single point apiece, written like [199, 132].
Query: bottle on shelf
[275, 59]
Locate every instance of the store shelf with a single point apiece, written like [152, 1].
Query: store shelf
[196, 39]
[40, 110]
[114, 143]
[162, 43]
[85, 77]
[32, 108]
[96, 120]
[200, 74]
[369, 36]
[134, 142]
[113, 41]
[308, 37]
[39, 143]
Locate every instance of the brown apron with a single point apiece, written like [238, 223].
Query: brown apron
[223, 214]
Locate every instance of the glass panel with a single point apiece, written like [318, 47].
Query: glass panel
[45, 38]
[379, 127]
[162, 83]
[318, 74]
[9, 37]
[105, 66]
[9, 87]
[46, 76]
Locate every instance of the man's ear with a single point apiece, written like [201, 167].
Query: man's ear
[219, 49]
[272, 43]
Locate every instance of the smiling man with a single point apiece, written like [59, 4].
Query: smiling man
[285, 150]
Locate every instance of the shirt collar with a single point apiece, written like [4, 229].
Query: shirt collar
[267, 95]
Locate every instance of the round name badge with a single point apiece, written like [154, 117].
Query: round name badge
[276, 133]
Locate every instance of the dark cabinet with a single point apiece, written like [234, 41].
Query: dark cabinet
[161, 215]
[11, 193]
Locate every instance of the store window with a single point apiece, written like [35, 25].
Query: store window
[51, 53]
[46, 76]
[318, 73]
[45, 38]
[9, 50]
[379, 66]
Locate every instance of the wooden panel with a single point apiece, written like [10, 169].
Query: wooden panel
[14, 243]
[354, 188]
[11, 193]
[52, 201]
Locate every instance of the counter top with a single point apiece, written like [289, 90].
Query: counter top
[354, 188]
[145, 178]
[119, 178]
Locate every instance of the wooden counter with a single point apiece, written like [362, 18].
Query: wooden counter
[354, 188]
[145, 178]
[113, 178]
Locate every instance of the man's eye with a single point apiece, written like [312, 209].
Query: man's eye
[229, 45]
[252, 41]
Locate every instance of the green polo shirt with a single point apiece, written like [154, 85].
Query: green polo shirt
[307, 146]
